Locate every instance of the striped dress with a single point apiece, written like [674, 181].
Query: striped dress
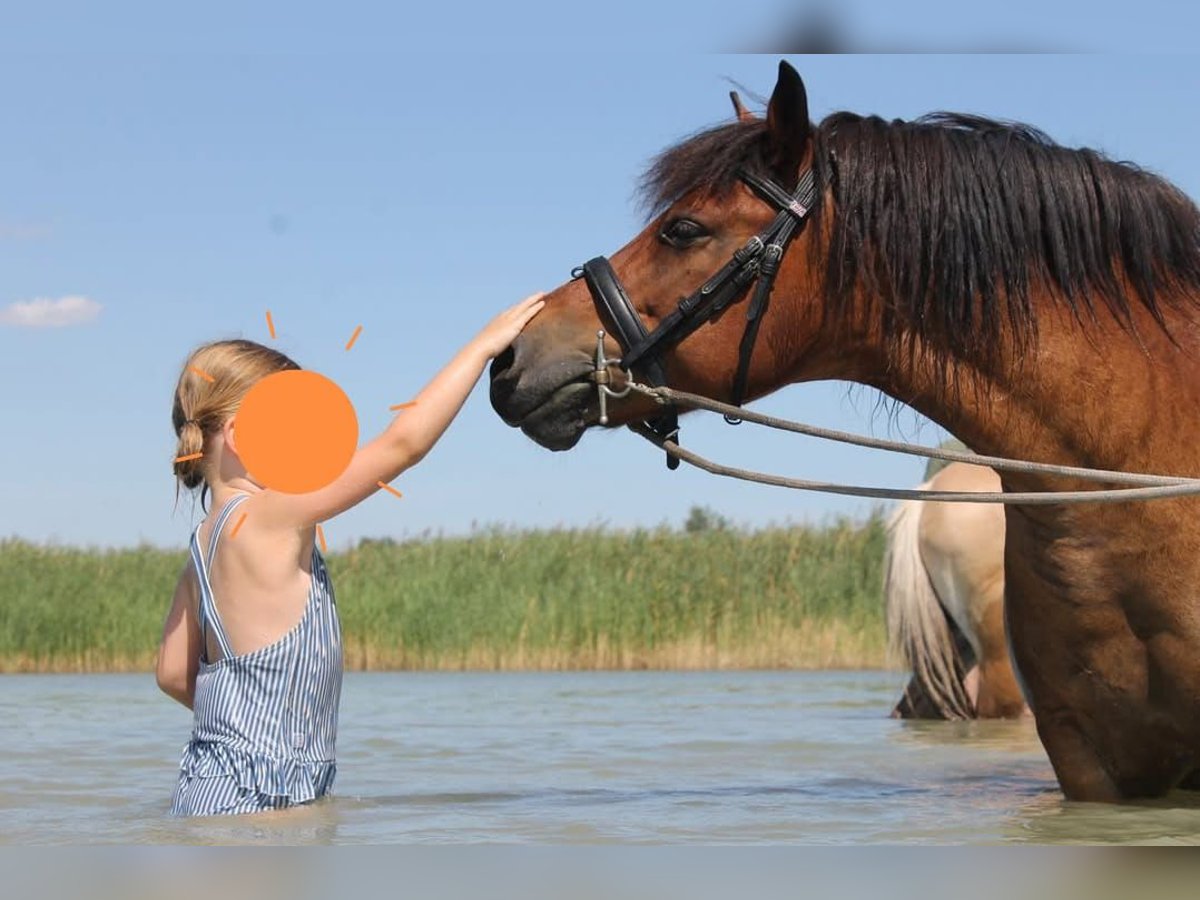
[265, 721]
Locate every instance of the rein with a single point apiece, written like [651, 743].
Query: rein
[1152, 487]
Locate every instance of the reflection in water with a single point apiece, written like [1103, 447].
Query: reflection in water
[646, 757]
[314, 824]
[1052, 820]
[1016, 735]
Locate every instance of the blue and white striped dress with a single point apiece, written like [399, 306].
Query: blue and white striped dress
[265, 721]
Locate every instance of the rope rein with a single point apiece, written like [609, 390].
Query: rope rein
[1148, 487]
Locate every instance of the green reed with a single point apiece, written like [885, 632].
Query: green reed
[705, 596]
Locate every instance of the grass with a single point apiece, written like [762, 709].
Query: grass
[706, 596]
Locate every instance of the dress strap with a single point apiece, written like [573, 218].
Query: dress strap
[226, 512]
[208, 604]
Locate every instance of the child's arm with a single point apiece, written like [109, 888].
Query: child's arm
[408, 438]
[179, 651]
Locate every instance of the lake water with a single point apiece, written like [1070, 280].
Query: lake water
[567, 758]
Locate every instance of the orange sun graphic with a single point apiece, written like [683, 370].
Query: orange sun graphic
[296, 431]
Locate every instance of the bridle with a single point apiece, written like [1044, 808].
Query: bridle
[759, 259]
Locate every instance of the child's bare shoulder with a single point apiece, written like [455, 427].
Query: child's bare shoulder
[268, 553]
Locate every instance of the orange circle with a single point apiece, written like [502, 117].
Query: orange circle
[295, 431]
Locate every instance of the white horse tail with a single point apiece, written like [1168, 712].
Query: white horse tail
[918, 627]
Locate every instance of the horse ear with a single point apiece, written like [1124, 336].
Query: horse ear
[743, 114]
[787, 117]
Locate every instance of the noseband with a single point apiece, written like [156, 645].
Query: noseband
[758, 259]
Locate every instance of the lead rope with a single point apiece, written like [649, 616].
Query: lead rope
[1154, 487]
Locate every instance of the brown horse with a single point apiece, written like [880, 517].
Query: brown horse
[1037, 301]
[943, 589]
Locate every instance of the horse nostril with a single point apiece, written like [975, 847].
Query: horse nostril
[504, 380]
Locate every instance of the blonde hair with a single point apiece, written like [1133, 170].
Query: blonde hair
[212, 383]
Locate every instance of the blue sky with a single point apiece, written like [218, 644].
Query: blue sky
[187, 179]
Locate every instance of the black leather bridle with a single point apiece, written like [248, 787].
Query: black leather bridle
[758, 259]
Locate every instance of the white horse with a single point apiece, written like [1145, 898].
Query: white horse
[944, 595]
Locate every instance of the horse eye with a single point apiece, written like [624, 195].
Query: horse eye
[683, 232]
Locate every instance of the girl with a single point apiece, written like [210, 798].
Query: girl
[252, 643]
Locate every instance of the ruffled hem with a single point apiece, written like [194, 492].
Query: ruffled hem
[297, 779]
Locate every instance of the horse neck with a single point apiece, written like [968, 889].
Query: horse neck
[1095, 396]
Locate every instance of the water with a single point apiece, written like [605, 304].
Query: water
[637, 757]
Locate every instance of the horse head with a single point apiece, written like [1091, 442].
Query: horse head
[709, 204]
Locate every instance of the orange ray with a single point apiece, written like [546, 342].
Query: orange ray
[321, 538]
[354, 337]
[202, 374]
[237, 525]
[270, 324]
[409, 405]
[190, 456]
[389, 489]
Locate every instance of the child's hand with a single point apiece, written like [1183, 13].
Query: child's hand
[503, 330]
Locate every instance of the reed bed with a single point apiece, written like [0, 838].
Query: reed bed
[705, 596]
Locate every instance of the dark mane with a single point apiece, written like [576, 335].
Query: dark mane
[947, 222]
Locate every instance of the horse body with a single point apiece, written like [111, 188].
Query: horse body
[1101, 601]
[944, 594]
[1035, 301]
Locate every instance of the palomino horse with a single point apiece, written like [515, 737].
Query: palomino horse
[944, 593]
[1038, 302]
